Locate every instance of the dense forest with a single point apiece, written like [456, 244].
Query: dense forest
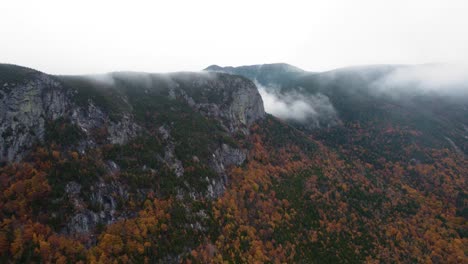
[196, 183]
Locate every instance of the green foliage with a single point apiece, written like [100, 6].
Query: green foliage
[63, 132]
[100, 90]
[279, 134]
[378, 194]
[14, 74]
[291, 188]
[141, 151]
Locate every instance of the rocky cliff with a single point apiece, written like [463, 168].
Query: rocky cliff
[141, 133]
[34, 98]
[185, 168]
[233, 100]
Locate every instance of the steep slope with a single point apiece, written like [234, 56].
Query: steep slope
[376, 99]
[391, 155]
[115, 138]
[92, 101]
[28, 99]
[187, 168]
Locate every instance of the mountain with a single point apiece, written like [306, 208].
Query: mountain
[174, 133]
[133, 167]
[265, 74]
[377, 98]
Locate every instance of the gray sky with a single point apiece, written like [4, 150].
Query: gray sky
[74, 37]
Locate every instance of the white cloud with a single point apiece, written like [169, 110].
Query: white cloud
[444, 78]
[313, 110]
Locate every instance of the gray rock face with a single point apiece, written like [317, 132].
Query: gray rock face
[24, 109]
[222, 158]
[226, 156]
[247, 106]
[83, 222]
[112, 167]
[123, 130]
[92, 118]
[233, 100]
[26, 106]
[169, 153]
[103, 200]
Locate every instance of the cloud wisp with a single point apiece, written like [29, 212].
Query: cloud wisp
[312, 110]
[441, 78]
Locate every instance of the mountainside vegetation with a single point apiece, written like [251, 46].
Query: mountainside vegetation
[188, 168]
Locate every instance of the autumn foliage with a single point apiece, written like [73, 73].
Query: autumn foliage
[295, 200]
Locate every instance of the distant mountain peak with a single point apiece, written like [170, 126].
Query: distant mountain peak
[213, 67]
[281, 66]
[264, 74]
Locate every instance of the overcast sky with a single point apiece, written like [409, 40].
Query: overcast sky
[73, 37]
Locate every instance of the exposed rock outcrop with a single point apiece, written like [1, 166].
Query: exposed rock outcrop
[24, 110]
[26, 107]
[233, 100]
[91, 118]
[107, 114]
[222, 158]
[102, 207]
[170, 157]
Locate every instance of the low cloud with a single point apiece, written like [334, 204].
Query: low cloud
[105, 78]
[315, 110]
[441, 78]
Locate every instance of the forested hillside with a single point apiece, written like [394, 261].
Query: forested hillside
[188, 168]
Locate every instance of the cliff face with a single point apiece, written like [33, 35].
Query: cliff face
[27, 104]
[24, 109]
[174, 132]
[134, 167]
[233, 100]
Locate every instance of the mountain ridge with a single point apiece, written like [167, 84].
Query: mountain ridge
[354, 91]
[188, 168]
[103, 88]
